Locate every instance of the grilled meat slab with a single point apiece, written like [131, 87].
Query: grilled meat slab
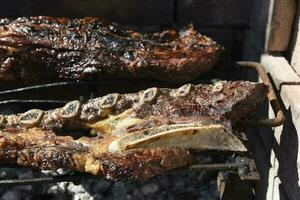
[41, 49]
[222, 103]
[156, 124]
[44, 150]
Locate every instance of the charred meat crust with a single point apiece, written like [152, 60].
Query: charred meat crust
[41, 49]
[44, 150]
[145, 163]
[224, 102]
[24, 142]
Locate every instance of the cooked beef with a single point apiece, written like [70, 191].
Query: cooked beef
[223, 102]
[142, 134]
[44, 150]
[42, 49]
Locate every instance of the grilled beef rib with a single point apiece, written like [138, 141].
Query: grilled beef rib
[140, 134]
[42, 49]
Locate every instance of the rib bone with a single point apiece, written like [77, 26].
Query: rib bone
[142, 134]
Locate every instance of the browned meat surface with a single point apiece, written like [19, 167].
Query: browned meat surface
[41, 49]
[224, 102]
[140, 134]
[44, 150]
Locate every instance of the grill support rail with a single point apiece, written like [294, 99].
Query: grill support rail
[244, 167]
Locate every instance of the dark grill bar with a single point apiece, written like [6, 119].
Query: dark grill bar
[240, 167]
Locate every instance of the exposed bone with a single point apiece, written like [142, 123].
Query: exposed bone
[70, 110]
[184, 90]
[109, 101]
[2, 120]
[91, 111]
[149, 95]
[200, 104]
[218, 87]
[44, 150]
[113, 122]
[150, 126]
[187, 136]
[31, 118]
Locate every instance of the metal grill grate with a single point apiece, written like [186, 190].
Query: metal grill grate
[243, 166]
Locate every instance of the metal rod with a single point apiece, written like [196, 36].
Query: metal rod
[279, 115]
[12, 101]
[58, 84]
[217, 167]
[35, 87]
[42, 180]
[77, 178]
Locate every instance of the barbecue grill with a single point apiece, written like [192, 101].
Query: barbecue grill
[230, 23]
[241, 165]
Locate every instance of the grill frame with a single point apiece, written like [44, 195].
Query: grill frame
[244, 165]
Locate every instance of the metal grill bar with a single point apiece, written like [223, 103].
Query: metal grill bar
[216, 167]
[78, 177]
[237, 166]
[49, 102]
[43, 180]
